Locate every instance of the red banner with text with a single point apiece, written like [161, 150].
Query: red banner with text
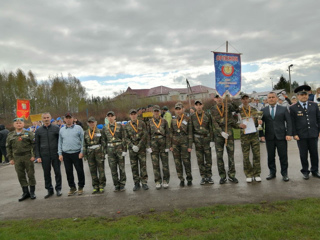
[23, 108]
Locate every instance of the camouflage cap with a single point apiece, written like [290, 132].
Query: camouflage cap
[156, 108]
[165, 108]
[91, 119]
[178, 105]
[111, 112]
[198, 101]
[132, 111]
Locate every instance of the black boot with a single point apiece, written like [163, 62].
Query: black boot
[25, 194]
[50, 193]
[32, 194]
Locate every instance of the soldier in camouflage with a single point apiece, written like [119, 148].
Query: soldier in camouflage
[136, 136]
[202, 134]
[20, 152]
[252, 171]
[181, 143]
[114, 138]
[93, 152]
[220, 114]
[159, 141]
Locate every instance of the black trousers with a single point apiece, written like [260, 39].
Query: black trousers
[282, 149]
[47, 162]
[3, 152]
[70, 160]
[310, 145]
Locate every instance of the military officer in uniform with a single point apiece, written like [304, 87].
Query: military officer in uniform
[181, 143]
[202, 135]
[305, 117]
[93, 152]
[248, 115]
[159, 139]
[20, 146]
[220, 114]
[114, 138]
[136, 136]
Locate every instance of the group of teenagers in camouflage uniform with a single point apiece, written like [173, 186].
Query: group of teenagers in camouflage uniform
[205, 129]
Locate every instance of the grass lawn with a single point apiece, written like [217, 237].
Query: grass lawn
[294, 219]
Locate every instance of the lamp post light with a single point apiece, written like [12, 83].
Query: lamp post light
[291, 65]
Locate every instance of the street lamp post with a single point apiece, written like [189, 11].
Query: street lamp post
[290, 77]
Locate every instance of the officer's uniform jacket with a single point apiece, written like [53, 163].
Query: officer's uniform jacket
[20, 145]
[305, 123]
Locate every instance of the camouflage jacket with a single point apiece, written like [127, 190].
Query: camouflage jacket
[185, 130]
[163, 130]
[96, 140]
[204, 129]
[20, 144]
[219, 121]
[139, 138]
[242, 115]
[119, 136]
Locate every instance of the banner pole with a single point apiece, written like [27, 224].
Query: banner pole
[226, 119]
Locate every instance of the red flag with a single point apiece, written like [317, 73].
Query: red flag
[23, 108]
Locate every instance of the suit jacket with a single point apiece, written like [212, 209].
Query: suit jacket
[305, 124]
[280, 126]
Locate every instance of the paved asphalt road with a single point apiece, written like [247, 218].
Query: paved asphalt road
[112, 204]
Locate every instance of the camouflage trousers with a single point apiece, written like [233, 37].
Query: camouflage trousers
[182, 157]
[251, 141]
[158, 147]
[203, 152]
[96, 165]
[219, 143]
[138, 160]
[116, 161]
[24, 167]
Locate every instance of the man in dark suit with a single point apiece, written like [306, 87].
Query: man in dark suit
[278, 130]
[46, 139]
[305, 117]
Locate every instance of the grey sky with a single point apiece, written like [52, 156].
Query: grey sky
[149, 43]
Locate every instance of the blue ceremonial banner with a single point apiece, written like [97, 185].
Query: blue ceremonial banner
[228, 73]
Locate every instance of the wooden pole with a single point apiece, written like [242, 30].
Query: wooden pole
[226, 108]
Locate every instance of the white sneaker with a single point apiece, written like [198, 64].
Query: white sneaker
[258, 179]
[158, 185]
[165, 185]
[249, 180]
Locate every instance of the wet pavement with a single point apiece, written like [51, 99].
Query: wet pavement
[114, 204]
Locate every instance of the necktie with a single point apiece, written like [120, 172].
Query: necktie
[305, 106]
[272, 112]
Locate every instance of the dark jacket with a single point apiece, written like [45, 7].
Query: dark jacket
[47, 141]
[306, 124]
[279, 127]
[3, 135]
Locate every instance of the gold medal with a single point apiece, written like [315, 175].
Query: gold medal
[200, 128]
[222, 120]
[179, 123]
[91, 135]
[178, 130]
[137, 135]
[157, 126]
[200, 121]
[114, 132]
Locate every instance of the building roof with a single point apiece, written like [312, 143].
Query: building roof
[162, 90]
